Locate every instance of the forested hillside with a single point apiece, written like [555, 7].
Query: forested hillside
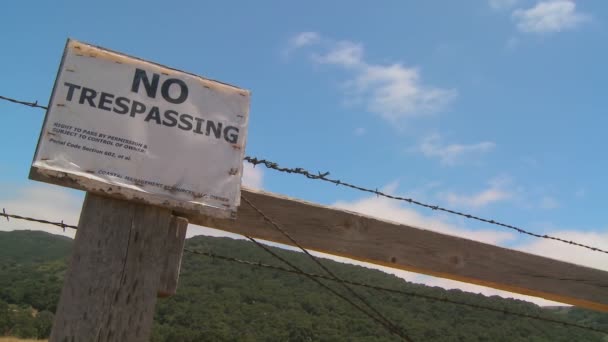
[223, 301]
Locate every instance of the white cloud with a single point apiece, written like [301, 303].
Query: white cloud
[53, 203]
[549, 16]
[43, 201]
[392, 210]
[548, 202]
[388, 209]
[299, 41]
[451, 154]
[477, 200]
[304, 39]
[573, 254]
[343, 53]
[495, 192]
[502, 4]
[393, 91]
[56, 204]
[253, 177]
[195, 230]
[442, 282]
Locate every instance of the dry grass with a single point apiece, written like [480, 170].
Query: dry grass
[15, 339]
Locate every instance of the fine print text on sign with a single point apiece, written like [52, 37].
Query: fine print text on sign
[134, 129]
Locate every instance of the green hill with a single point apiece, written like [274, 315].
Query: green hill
[223, 301]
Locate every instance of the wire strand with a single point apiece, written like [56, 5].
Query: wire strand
[396, 291]
[382, 321]
[379, 288]
[323, 176]
[315, 260]
[29, 104]
[19, 217]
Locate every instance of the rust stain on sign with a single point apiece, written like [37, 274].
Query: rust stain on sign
[91, 51]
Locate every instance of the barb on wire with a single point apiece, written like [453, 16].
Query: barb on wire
[396, 291]
[323, 176]
[25, 218]
[395, 329]
[296, 270]
[25, 103]
[382, 321]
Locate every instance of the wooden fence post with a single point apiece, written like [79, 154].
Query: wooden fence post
[176, 238]
[121, 252]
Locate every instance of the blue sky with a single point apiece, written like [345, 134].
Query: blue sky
[495, 107]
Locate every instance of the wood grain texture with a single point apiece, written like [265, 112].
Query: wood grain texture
[355, 236]
[174, 250]
[358, 237]
[110, 288]
[84, 181]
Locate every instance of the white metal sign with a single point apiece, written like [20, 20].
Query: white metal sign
[131, 128]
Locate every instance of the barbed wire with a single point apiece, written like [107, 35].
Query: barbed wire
[318, 276]
[323, 177]
[396, 291]
[18, 217]
[392, 327]
[25, 103]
